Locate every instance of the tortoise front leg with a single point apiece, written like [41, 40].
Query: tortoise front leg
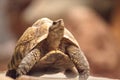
[28, 62]
[79, 61]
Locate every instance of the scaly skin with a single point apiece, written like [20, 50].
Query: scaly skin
[28, 62]
[79, 61]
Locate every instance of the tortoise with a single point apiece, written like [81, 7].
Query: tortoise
[48, 45]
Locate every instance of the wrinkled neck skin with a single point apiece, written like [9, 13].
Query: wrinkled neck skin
[53, 40]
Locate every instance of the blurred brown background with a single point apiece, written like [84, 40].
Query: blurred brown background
[94, 23]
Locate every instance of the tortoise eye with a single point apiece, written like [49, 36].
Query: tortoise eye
[54, 23]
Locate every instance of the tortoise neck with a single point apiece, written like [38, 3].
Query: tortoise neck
[53, 42]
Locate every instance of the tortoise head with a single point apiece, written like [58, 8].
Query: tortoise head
[55, 34]
[57, 29]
